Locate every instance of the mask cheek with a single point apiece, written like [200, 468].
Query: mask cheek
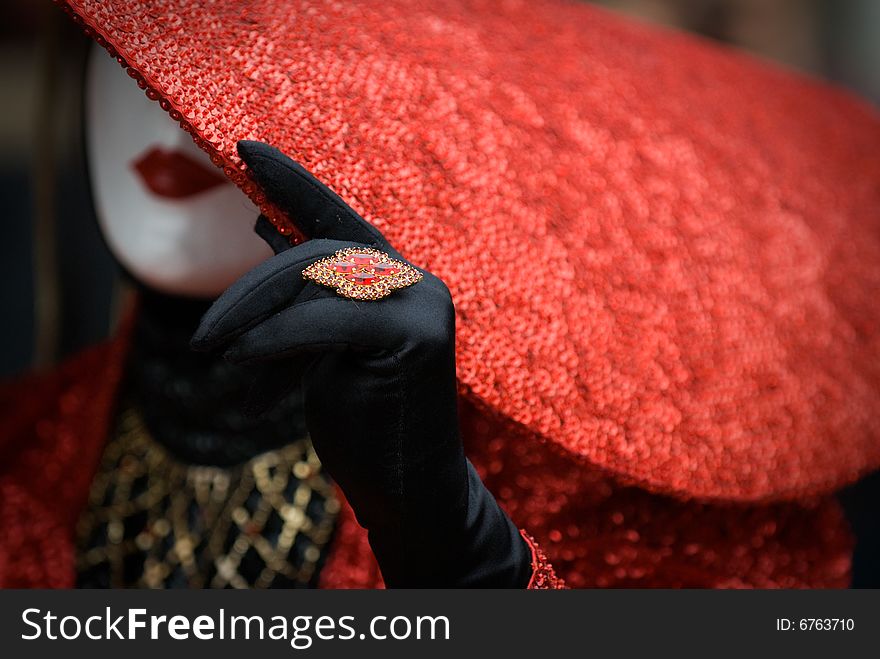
[194, 245]
[195, 248]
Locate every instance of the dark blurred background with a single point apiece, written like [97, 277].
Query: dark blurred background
[58, 285]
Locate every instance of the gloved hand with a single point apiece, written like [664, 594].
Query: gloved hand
[379, 387]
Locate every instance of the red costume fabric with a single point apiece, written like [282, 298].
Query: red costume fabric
[594, 531]
[662, 254]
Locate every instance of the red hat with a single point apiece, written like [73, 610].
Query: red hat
[665, 255]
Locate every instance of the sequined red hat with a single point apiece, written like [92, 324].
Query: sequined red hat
[664, 254]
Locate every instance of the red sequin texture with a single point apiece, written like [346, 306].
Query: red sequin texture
[34, 552]
[703, 321]
[599, 533]
[543, 575]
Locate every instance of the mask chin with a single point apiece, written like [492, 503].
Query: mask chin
[166, 212]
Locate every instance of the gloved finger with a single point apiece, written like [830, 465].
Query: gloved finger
[265, 230]
[316, 209]
[270, 286]
[330, 324]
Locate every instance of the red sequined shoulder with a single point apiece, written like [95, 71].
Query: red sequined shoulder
[52, 429]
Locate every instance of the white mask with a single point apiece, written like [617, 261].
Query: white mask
[168, 214]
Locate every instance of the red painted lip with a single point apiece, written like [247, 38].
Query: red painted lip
[175, 175]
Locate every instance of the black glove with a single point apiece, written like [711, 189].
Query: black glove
[379, 386]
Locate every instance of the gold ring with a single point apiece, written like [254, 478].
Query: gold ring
[362, 273]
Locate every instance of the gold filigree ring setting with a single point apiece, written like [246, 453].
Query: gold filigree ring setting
[362, 273]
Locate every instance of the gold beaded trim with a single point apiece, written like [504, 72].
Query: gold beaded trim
[327, 273]
[154, 522]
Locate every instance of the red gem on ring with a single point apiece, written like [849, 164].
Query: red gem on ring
[362, 273]
[362, 258]
[343, 266]
[385, 269]
[362, 278]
